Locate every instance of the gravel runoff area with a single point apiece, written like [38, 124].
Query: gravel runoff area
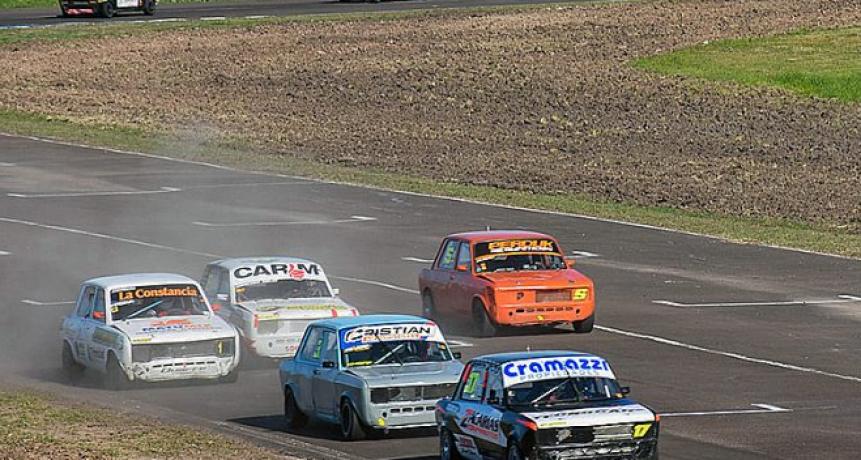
[542, 100]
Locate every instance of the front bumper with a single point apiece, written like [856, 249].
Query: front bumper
[206, 367]
[618, 450]
[393, 416]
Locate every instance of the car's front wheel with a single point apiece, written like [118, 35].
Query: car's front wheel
[585, 326]
[149, 7]
[351, 426]
[514, 453]
[484, 326]
[107, 9]
[294, 418]
[447, 447]
[428, 307]
[115, 378]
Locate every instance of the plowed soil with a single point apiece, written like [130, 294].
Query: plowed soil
[541, 100]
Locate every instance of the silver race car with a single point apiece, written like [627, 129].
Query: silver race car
[272, 300]
[377, 372]
[149, 327]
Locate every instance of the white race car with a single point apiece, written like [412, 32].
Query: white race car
[149, 327]
[271, 300]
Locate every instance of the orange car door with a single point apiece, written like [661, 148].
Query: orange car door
[460, 284]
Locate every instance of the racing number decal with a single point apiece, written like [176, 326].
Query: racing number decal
[581, 294]
[470, 384]
[641, 430]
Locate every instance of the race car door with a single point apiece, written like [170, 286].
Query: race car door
[440, 276]
[78, 325]
[99, 337]
[459, 289]
[325, 375]
[477, 428]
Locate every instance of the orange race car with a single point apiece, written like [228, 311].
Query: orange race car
[506, 278]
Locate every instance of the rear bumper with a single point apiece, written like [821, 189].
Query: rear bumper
[274, 346]
[81, 4]
[543, 313]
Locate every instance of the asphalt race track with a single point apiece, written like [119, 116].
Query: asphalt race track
[749, 352]
[251, 9]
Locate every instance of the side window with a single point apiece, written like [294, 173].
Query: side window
[210, 281]
[463, 259]
[330, 348]
[494, 387]
[223, 283]
[85, 303]
[99, 306]
[476, 380]
[447, 256]
[312, 349]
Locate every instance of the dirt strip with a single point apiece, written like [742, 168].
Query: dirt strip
[541, 100]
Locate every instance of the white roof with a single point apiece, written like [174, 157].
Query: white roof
[232, 264]
[139, 279]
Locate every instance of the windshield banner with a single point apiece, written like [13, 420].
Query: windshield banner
[531, 370]
[390, 332]
[489, 250]
[264, 273]
[147, 292]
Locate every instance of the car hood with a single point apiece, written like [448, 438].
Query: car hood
[409, 374]
[537, 279]
[593, 416]
[317, 308]
[175, 329]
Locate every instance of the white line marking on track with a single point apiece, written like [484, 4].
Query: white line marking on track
[257, 17]
[459, 344]
[47, 304]
[105, 237]
[727, 354]
[250, 184]
[799, 303]
[79, 194]
[762, 409]
[273, 224]
[214, 18]
[375, 283]
[416, 259]
[583, 254]
[5, 253]
[6, 165]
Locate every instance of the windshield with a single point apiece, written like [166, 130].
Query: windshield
[566, 390]
[518, 255]
[156, 302]
[395, 352]
[283, 289]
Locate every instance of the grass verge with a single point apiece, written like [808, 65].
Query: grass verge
[34, 425]
[817, 237]
[824, 63]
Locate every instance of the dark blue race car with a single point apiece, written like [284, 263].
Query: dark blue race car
[548, 405]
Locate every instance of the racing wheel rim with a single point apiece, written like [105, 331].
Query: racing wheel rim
[445, 445]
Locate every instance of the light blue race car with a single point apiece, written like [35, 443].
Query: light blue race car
[376, 372]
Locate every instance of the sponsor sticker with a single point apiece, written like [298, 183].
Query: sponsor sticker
[482, 422]
[492, 249]
[360, 335]
[530, 370]
[254, 273]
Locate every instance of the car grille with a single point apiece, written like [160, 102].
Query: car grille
[220, 348]
[562, 295]
[587, 434]
[417, 393]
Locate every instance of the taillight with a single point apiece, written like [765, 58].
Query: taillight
[657, 417]
[529, 424]
[216, 307]
[256, 322]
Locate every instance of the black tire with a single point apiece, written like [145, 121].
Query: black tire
[64, 12]
[654, 455]
[115, 378]
[149, 7]
[351, 426]
[232, 377]
[585, 326]
[428, 307]
[294, 418]
[448, 447]
[71, 368]
[484, 326]
[107, 9]
[514, 452]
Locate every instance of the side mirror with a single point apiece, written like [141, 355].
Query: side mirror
[335, 292]
[216, 307]
[98, 315]
[625, 391]
[328, 364]
[463, 268]
[569, 263]
[457, 355]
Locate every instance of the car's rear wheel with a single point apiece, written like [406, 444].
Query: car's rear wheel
[585, 326]
[484, 326]
[428, 307]
[447, 447]
[149, 7]
[232, 377]
[107, 9]
[115, 378]
[294, 418]
[351, 426]
[71, 368]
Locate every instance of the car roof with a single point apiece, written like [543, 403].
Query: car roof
[237, 262]
[488, 235]
[502, 358]
[139, 279]
[369, 320]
